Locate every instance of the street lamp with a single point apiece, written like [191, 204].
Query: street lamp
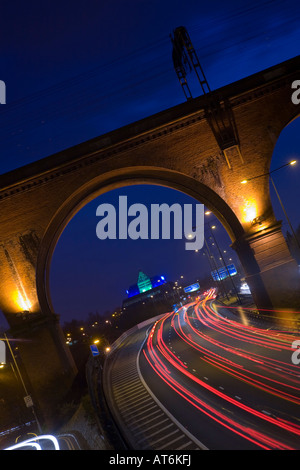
[22, 382]
[211, 257]
[221, 257]
[223, 261]
[293, 162]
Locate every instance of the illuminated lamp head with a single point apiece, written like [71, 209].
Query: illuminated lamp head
[21, 302]
[250, 211]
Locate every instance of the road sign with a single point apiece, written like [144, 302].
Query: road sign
[222, 273]
[28, 401]
[191, 288]
[94, 349]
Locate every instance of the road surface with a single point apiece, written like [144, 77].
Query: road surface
[204, 378]
[232, 385]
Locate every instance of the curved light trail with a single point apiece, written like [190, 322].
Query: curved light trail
[259, 359]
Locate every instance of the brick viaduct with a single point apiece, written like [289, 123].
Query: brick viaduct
[175, 148]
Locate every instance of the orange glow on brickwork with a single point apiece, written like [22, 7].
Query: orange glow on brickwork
[21, 301]
[250, 211]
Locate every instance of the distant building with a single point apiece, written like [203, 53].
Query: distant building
[148, 290]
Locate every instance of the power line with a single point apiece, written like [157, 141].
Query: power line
[92, 98]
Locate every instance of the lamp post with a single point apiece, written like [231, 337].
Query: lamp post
[221, 258]
[293, 162]
[23, 383]
[223, 261]
[210, 257]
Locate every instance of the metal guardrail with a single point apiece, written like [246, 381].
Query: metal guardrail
[107, 428]
[143, 420]
[275, 321]
[129, 332]
[287, 323]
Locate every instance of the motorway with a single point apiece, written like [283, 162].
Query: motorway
[142, 421]
[232, 385]
[208, 379]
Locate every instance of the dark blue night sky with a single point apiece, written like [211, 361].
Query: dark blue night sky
[76, 70]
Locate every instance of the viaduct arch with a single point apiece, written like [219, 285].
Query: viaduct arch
[175, 148]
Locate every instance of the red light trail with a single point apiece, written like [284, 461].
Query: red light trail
[227, 346]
